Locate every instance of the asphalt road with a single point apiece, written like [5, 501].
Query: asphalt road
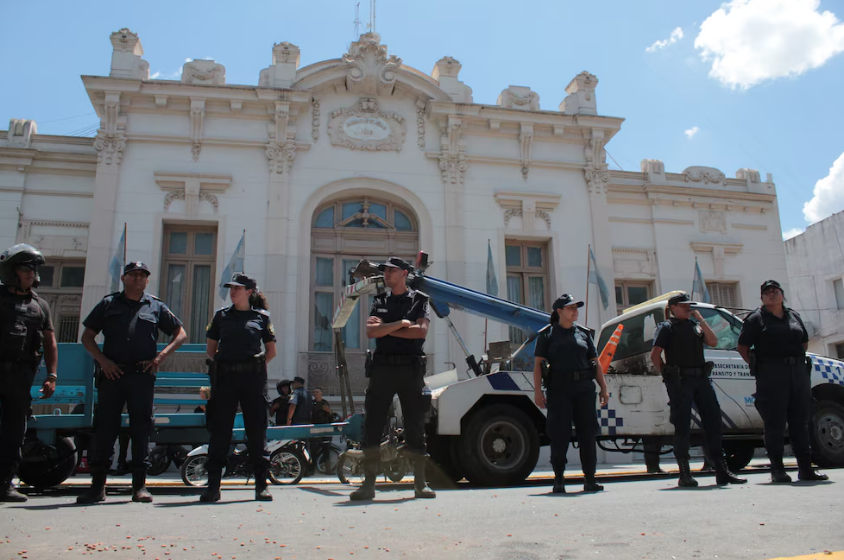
[632, 519]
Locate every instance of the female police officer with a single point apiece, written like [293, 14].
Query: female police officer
[783, 386]
[234, 342]
[686, 376]
[570, 352]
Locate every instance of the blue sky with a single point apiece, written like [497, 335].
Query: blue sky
[749, 83]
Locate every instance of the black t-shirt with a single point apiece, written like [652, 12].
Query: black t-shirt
[566, 350]
[773, 337]
[682, 342]
[23, 320]
[240, 333]
[411, 305]
[130, 328]
[318, 414]
[283, 403]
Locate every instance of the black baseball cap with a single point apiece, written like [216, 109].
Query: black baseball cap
[135, 265]
[770, 284]
[679, 298]
[240, 279]
[566, 300]
[395, 262]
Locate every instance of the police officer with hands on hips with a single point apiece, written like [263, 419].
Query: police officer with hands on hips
[399, 324]
[783, 379]
[27, 334]
[572, 369]
[125, 367]
[239, 375]
[686, 372]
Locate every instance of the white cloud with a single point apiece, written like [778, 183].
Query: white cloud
[675, 36]
[749, 41]
[690, 133]
[155, 76]
[828, 197]
[788, 234]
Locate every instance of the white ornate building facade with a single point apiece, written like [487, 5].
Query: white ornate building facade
[362, 156]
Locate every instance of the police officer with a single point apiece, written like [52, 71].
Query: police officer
[783, 384]
[299, 405]
[234, 342]
[399, 324]
[572, 370]
[686, 376]
[26, 332]
[125, 368]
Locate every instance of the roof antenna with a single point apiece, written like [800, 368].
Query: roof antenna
[371, 16]
[357, 21]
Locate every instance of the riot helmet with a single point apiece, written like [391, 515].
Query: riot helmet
[17, 255]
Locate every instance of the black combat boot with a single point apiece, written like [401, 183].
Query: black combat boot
[724, 476]
[212, 492]
[8, 492]
[261, 492]
[590, 485]
[806, 473]
[778, 474]
[139, 487]
[420, 485]
[367, 489]
[559, 482]
[96, 493]
[686, 480]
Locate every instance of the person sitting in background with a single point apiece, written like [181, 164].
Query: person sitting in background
[205, 394]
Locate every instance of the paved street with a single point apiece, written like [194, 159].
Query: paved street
[636, 518]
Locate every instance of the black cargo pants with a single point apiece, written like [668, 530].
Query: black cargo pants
[567, 402]
[683, 391]
[15, 384]
[784, 394]
[385, 382]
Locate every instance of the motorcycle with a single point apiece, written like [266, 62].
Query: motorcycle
[395, 461]
[325, 457]
[162, 456]
[289, 461]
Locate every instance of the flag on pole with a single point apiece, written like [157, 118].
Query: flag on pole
[595, 278]
[235, 265]
[118, 262]
[491, 280]
[699, 291]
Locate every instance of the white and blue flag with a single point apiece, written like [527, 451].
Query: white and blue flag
[235, 265]
[699, 291]
[491, 280]
[595, 278]
[115, 266]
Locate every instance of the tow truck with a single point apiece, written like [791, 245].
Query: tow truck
[489, 430]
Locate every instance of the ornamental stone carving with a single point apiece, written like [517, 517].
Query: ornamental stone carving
[203, 72]
[596, 180]
[282, 73]
[525, 143]
[315, 121]
[712, 221]
[364, 126]
[518, 97]
[370, 70]
[749, 175]
[511, 213]
[20, 132]
[581, 95]
[654, 171]
[126, 61]
[280, 157]
[197, 123]
[445, 72]
[703, 175]
[453, 168]
[192, 189]
[109, 147]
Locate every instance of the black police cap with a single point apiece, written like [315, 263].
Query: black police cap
[565, 300]
[135, 265]
[240, 279]
[679, 298]
[298, 379]
[770, 284]
[395, 262]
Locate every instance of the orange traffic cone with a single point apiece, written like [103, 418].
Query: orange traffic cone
[605, 359]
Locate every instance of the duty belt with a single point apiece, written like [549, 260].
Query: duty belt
[574, 375]
[7, 365]
[250, 366]
[395, 359]
[136, 367]
[783, 360]
[683, 371]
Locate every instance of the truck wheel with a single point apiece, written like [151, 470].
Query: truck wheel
[44, 465]
[738, 454]
[827, 431]
[500, 446]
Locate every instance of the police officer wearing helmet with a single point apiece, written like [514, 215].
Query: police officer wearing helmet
[26, 332]
[783, 379]
[234, 342]
[280, 404]
[686, 376]
[399, 324]
[572, 369]
[125, 368]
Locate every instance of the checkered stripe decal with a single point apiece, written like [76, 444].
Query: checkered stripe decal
[831, 370]
[609, 420]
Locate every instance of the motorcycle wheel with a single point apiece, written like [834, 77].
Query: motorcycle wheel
[327, 462]
[287, 466]
[194, 471]
[349, 470]
[160, 461]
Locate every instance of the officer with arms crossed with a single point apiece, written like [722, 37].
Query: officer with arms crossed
[399, 323]
[239, 375]
[26, 329]
[573, 368]
[125, 370]
[783, 379]
[686, 372]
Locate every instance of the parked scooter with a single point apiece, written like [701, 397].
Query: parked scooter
[288, 463]
[162, 456]
[395, 461]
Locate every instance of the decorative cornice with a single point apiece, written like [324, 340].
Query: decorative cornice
[709, 246]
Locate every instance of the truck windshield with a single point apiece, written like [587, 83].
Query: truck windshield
[637, 336]
[726, 327]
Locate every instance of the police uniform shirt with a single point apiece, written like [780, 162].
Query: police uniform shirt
[318, 413]
[773, 337]
[302, 413]
[24, 319]
[566, 350]
[682, 342]
[240, 333]
[130, 328]
[411, 305]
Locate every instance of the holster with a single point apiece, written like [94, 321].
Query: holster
[753, 363]
[421, 365]
[367, 367]
[214, 378]
[707, 369]
[545, 368]
[809, 365]
[98, 374]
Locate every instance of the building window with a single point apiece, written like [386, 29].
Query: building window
[527, 278]
[629, 293]
[344, 232]
[723, 294]
[838, 288]
[61, 286]
[188, 273]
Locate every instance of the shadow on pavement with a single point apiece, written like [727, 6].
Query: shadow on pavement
[375, 502]
[196, 502]
[72, 504]
[697, 489]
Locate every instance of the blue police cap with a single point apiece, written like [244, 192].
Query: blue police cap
[135, 265]
[240, 279]
[566, 300]
[770, 284]
[679, 298]
[395, 262]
